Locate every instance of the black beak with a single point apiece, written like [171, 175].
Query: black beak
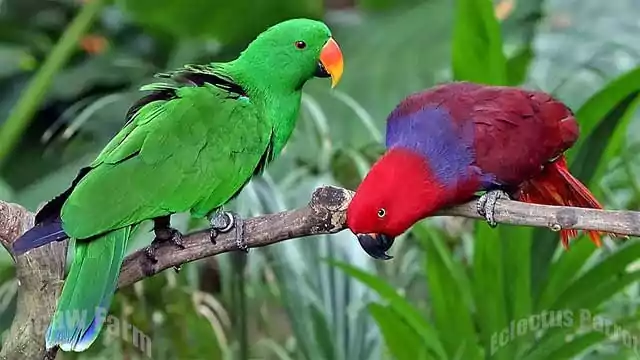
[321, 72]
[376, 245]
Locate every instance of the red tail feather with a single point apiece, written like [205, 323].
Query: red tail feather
[556, 186]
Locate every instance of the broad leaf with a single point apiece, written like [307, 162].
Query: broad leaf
[399, 304]
[401, 339]
[449, 293]
[477, 44]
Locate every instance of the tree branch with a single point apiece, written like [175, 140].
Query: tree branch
[325, 214]
[40, 271]
[39, 274]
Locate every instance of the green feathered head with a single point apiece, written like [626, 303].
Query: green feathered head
[292, 52]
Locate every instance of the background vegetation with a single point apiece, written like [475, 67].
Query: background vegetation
[70, 69]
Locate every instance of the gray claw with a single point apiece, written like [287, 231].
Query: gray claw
[480, 204]
[223, 222]
[213, 234]
[486, 205]
[240, 235]
[150, 252]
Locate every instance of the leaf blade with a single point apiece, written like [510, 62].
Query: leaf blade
[411, 315]
[477, 44]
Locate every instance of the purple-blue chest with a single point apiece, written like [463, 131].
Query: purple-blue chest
[445, 144]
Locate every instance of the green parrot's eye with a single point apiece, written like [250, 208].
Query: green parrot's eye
[301, 44]
[382, 213]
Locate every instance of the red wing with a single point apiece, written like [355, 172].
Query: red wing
[519, 131]
[516, 131]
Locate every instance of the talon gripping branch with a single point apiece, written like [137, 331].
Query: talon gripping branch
[447, 143]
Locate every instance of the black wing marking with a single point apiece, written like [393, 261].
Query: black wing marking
[51, 211]
[189, 75]
[266, 157]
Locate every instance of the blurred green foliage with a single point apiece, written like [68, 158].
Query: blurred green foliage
[203, 19]
[453, 284]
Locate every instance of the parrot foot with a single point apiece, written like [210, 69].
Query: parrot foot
[169, 234]
[150, 251]
[164, 233]
[223, 222]
[487, 203]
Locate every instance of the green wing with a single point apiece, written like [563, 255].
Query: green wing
[192, 153]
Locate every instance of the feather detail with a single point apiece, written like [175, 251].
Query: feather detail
[39, 235]
[48, 225]
[88, 290]
[188, 75]
[448, 148]
[556, 186]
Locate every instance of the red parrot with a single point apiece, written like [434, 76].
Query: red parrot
[449, 142]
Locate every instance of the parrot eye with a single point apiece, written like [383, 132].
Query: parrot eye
[382, 213]
[300, 44]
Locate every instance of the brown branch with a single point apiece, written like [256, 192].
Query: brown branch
[555, 218]
[325, 214]
[40, 271]
[39, 274]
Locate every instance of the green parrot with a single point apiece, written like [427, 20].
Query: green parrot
[191, 145]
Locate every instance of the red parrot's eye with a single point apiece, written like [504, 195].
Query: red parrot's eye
[301, 44]
[382, 213]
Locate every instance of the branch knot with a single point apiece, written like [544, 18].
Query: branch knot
[329, 204]
[330, 198]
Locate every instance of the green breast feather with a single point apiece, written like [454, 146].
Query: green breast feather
[191, 152]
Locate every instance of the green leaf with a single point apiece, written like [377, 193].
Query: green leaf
[577, 345]
[232, 23]
[489, 287]
[15, 59]
[409, 313]
[603, 107]
[381, 5]
[587, 292]
[32, 98]
[516, 260]
[425, 235]
[563, 271]
[401, 339]
[6, 193]
[558, 347]
[450, 294]
[615, 145]
[587, 160]
[613, 266]
[276, 349]
[477, 44]
[599, 334]
[322, 333]
[607, 289]
[518, 65]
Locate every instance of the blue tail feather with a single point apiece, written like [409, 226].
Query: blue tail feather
[88, 290]
[39, 235]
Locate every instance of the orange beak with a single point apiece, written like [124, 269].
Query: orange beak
[331, 59]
